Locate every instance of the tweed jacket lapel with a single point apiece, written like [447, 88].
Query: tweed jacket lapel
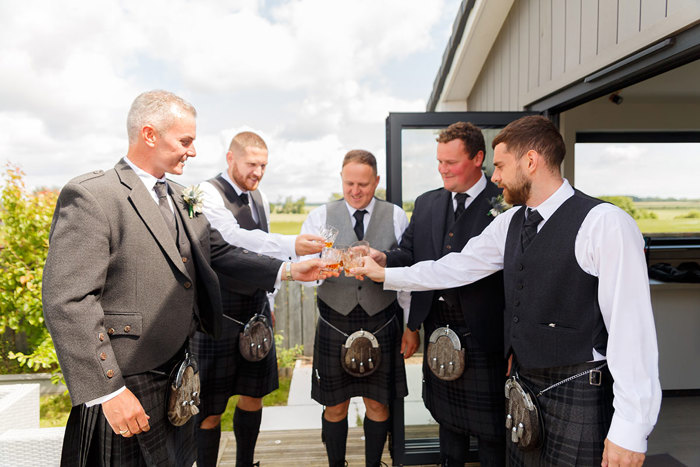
[439, 208]
[147, 210]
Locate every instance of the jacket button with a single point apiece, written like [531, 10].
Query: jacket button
[520, 287]
[245, 251]
[184, 260]
[449, 247]
[101, 336]
[515, 319]
[127, 328]
[520, 267]
[110, 373]
[359, 287]
[187, 284]
[110, 331]
[517, 303]
[451, 234]
[103, 356]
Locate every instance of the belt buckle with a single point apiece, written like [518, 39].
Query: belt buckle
[595, 377]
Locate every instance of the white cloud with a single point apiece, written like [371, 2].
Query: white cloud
[314, 75]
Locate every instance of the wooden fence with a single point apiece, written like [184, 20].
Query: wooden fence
[295, 315]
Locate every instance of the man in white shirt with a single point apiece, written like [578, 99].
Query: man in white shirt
[577, 303]
[347, 305]
[235, 206]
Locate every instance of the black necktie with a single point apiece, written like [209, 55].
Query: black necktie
[359, 216]
[162, 192]
[244, 198]
[245, 214]
[529, 228]
[461, 198]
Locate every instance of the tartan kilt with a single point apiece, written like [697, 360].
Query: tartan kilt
[223, 371]
[331, 384]
[474, 403]
[163, 445]
[576, 415]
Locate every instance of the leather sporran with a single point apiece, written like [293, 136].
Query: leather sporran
[447, 359]
[183, 400]
[524, 418]
[255, 341]
[360, 355]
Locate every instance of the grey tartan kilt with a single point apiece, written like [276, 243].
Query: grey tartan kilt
[474, 403]
[576, 416]
[224, 372]
[330, 384]
[163, 445]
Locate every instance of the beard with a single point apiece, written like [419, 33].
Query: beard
[518, 192]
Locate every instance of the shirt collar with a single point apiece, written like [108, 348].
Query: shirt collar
[556, 199]
[367, 208]
[147, 179]
[475, 189]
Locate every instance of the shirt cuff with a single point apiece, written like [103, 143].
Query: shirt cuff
[278, 281]
[629, 435]
[289, 246]
[102, 399]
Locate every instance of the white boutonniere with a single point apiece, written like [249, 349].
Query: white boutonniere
[498, 205]
[193, 196]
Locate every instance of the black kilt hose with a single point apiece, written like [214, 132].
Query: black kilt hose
[163, 445]
[576, 415]
[473, 403]
[331, 384]
[223, 371]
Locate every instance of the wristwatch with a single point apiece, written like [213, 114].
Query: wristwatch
[288, 271]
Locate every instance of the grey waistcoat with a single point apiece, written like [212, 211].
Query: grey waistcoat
[345, 293]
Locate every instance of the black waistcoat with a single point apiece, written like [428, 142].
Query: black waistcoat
[480, 303]
[552, 315]
[238, 297]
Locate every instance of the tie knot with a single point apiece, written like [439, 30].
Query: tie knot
[359, 215]
[461, 198]
[533, 217]
[160, 189]
[244, 198]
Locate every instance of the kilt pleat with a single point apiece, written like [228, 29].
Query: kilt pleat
[223, 371]
[576, 415]
[331, 384]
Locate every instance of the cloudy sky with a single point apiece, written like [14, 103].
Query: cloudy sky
[314, 77]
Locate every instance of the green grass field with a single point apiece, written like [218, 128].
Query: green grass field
[670, 217]
[288, 224]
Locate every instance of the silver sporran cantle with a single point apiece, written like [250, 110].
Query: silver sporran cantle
[255, 341]
[523, 416]
[183, 398]
[360, 355]
[446, 357]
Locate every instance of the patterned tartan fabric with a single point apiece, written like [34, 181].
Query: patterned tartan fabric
[223, 371]
[330, 384]
[473, 403]
[163, 445]
[576, 415]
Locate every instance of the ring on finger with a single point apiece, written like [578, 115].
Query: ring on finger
[124, 431]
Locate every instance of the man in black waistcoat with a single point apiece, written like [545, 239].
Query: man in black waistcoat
[236, 207]
[130, 275]
[578, 310]
[473, 403]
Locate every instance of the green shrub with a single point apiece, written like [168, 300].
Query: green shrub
[24, 237]
[690, 215]
[627, 204]
[286, 357]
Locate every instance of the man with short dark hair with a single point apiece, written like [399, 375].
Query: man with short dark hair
[128, 278]
[578, 311]
[241, 213]
[443, 220]
[351, 308]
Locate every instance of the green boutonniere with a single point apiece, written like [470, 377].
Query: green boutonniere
[193, 196]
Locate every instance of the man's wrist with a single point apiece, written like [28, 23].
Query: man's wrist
[288, 271]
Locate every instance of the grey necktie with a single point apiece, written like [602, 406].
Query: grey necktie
[162, 192]
[527, 234]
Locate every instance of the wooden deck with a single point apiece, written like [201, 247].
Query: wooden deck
[675, 442]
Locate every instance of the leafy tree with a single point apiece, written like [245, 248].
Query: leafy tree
[627, 204]
[290, 206]
[24, 239]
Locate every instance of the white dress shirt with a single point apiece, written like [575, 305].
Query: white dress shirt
[270, 244]
[317, 218]
[472, 192]
[609, 246]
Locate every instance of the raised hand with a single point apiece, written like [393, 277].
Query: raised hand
[125, 414]
[308, 244]
[378, 256]
[311, 270]
[370, 269]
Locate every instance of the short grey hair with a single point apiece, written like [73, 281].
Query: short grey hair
[154, 108]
